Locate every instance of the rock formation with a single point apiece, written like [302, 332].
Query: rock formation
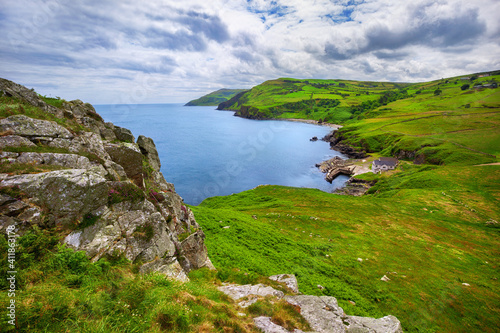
[322, 313]
[103, 192]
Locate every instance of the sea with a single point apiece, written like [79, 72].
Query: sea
[205, 152]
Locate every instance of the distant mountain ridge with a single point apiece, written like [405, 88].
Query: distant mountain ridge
[215, 97]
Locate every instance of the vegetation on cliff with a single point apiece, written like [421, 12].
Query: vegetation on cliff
[215, 98]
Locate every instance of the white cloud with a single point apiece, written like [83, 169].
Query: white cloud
[170, 51]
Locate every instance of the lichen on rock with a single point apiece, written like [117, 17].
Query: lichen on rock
[111, 198]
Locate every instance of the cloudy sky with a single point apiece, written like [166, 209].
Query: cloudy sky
[121, 51]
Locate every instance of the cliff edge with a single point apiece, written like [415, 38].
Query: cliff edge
[64, 168]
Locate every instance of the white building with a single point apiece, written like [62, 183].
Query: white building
[384, 164]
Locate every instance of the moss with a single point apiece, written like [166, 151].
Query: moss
[186, 234]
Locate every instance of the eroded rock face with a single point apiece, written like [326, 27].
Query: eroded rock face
[15, 141]
[68, 194]
[95, 202]
[123, 134]
[22, 125]
[130, 158]
[194, 250]
[148, 149]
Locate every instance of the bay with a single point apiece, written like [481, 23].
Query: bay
[205, 152]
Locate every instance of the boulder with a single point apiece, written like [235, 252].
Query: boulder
[123, 134]
[15, 141]
[71, 161]
[325, 315]
[91, 143]
[170, 267]
[193, 249]
[108, 134]
[148, 149]
[115, 170]
[81, 110]
[67, 194]
[267, 326]
[288, 279]
[92, 124]
[321, 312]
[130, 158]
[387, 324]
[134, 229]
[22, 125]
[236, 291]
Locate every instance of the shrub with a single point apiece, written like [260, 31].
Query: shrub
[465, 86]
[124, 191]
[145, 232]
[88, 220]
[437, 92]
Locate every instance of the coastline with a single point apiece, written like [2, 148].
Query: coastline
[311, 121]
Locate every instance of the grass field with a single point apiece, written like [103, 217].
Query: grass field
[429, 228]
[425, 228]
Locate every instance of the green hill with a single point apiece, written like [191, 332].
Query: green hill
[431, 228]
[215, 98]
[337, 101]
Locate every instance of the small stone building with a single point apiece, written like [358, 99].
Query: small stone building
[384, 164]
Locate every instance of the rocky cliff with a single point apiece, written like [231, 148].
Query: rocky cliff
[66, 169]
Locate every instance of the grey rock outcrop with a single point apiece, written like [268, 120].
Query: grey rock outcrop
[288, 279]
[67, 194]
[22, 125]
[267, 326]
[11, 89]
[99, 201]
[250, 292]
[236, 291]
[323, 313]
[148, 149]
[123, 134]
[70, 161]
[130, 158]
[15, 141]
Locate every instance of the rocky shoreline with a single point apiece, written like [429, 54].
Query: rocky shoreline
[312, 122]
[337, 166]
[336, 142]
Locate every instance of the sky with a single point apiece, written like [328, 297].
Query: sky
[134, 52]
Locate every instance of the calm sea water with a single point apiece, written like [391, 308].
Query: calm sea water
[208, 153]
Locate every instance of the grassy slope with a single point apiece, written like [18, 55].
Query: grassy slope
[425, 227]
[456, 127]
[424, 230]
[215, 97]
